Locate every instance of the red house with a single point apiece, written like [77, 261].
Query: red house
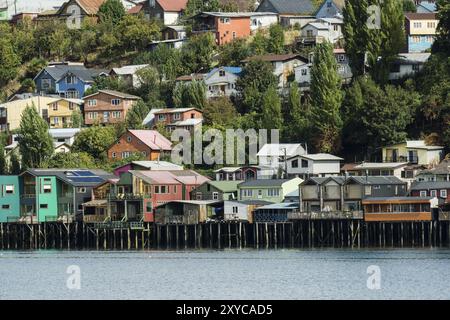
[435, 189]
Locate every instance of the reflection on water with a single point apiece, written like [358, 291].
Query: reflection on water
[229, 274]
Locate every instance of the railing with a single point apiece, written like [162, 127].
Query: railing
[409, 159]
[28, 196]
[307, 39]
[357, 215]
[128, 196]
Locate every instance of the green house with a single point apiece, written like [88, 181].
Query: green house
[9, 199]
[271, 190]
[216, 190]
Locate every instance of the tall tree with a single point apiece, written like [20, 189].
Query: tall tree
[14, 164]
[35, 143]
[326, 96]
[297, 116]
[232, 53]
[442, 43]
[408, 6]
[271, 117]
[197, 54]
[9, 61]
[275, 43]
[190, 95]
[95, 141]
[111, 11]
[136, 115]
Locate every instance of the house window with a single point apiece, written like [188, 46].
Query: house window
[71, 105]
[443, 193]
[259, 193]
[45, 84]
[9, 189]
[161, 117]
[225, 20]
[56, 120]
[304, 72]
[423, 194]
[129, 139]
[304, 163]
[215, 196]
[294, 164]
[377, 187]
[115, 102]
[55, 107]
[116, 114]
[47, 188]
[126, 154]
[309, 33]
[81, 190]
[144, 153]
[71, 79]
[234, 35]
[177, 116]
[431, 25]
[198, 196]
[341, 58]
[5, 206]
[113, 155]
[235, 210]
[367, 190]
[92, 102]
[174, 189]
[43, 206]
[433, 193]
[416, 68]
[222, 73]
[417, 24]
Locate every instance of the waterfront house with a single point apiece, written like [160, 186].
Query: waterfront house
[290, 12]
[11, 112]
[228, 26]
[420, 29]
[283, 65]
[246, 173]
[241, 210]
[275, 212]
[271, 190]
[439, 173]
[340, 193]
[221, 81]
[60, 112]
[319, 164]
[108, 107]
[9, 199]
[434, 189]
[407, 65]
[413, 152]
[68, 79]
[399, 209]
[273, 154]
[150, 143]
[216, 190]
[128, 75]
[175, 118]
[49, 195]
[188, 211]
[147, 165]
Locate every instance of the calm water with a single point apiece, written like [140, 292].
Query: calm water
[234, 274]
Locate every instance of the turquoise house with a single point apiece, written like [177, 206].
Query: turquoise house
[9, 199]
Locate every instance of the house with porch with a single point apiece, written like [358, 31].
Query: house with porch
[150, 143]
[413, 152]
[221, 81]
[322, 30]
[9, 199]
[108, 107]
[271, 190]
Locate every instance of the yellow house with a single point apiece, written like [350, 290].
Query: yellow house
[11, 112]
[413, 152]
[60, 112]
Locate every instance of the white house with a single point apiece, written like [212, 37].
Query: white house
[261, 20]
[321, 30]
[319, 164]
[65, 135]
[129, 74]
[408, 64]
[222, 81]
[271, 154]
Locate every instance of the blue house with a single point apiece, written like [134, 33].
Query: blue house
[9, 199]
[67, 80]
[420, 31]
[330, 9]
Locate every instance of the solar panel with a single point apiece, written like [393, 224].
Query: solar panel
[83, 173]
[87, 179]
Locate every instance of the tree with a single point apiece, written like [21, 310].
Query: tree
[195, 6]
[257, 76]
[35, 143]
[136, 115]
[271, 117]
[442, 43]
[297, 116]
[27, 85]
[234, 52]
[76, 119]
[9, 61]
[111, 11]
[408, 6]
[361, 43]
[14, 164]
[135, 32]
[71, 160]
[259, 44]
[326, 97]
[3, 168]
[220, 111]
[275, 43]
[190, 95]
[95, 141]
[375, 117]
[197, 53]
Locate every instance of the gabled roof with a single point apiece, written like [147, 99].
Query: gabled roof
[380, 165]
[74, 177]
[131, 69]
[234, 14]
[115, 94]
[233, 70]
[420, 16]
[318, 157]
[57, 72]
[264, 183]
[63, 133]
[89, 6]
[136, 9]
[225, 186]
[173, 5]
[278, 149]
[274, 57]
[153, 139]
[375, 180]
[187, 177]
[427, 185]
[291, 7]
[157, 165]
[441, 168]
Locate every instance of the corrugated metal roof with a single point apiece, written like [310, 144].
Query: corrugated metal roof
[280, 206]
[264, 183]
[153, 139]
[294, 7]
[430, 185]
[225, 186]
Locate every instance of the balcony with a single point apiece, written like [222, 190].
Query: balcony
[410, 159]
[128, 197]
[324, 215]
